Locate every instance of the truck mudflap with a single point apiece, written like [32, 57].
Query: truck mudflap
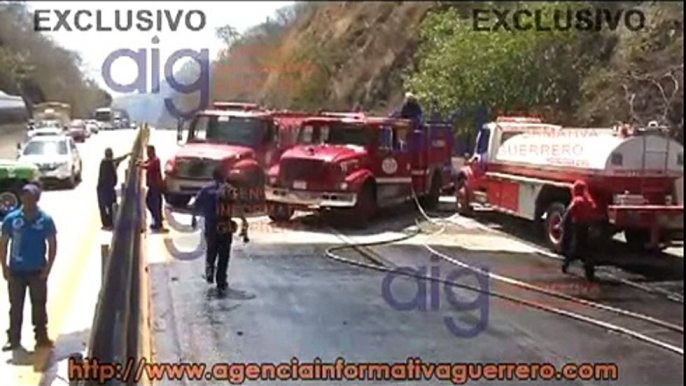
[311, 200]
[647, 216]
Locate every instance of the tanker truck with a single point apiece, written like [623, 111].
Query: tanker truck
[526, 168]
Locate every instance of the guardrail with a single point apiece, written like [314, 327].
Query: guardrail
[115, 334]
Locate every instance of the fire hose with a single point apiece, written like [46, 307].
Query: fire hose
[360, 247]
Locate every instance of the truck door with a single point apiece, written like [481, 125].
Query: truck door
[268, 151]
[392, 166]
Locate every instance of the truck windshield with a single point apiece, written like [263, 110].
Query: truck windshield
[239, 131]
[103, 116]
[46, 148]
[334, 134]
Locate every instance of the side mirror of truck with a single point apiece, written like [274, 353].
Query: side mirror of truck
[18, 146]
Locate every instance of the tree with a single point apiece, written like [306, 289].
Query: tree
[463, 68]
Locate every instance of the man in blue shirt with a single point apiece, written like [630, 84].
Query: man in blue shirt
[27, 231]
[216, 203]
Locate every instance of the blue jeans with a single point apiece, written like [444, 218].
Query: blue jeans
[17, 285]
[106, 200]
[219, 253]
[153, 200]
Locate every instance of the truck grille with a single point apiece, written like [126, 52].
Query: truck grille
[195, 168]
[303, 170]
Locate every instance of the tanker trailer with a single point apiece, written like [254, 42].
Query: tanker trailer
[526, 168]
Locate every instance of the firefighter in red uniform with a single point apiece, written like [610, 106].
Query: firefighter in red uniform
[576, 223]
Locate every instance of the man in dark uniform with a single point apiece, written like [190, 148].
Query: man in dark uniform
[411, 109]
[107, 182]
[576, 222]
[216, 202]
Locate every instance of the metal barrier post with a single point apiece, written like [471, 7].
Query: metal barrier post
[104, 257]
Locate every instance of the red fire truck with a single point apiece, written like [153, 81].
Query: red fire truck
[353, 164]
[250, 139]
[526, 168]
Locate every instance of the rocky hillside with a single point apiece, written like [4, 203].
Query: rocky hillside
[339, 55]
[34, 67]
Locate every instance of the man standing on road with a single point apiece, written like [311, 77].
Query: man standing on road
[107, 182]
[576, 222]
[27, 230]
[216, 202]
[153, 177]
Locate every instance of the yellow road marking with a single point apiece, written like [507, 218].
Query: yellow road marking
[60, 305]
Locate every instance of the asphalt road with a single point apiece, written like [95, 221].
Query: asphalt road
[75, 279]
[287, 300]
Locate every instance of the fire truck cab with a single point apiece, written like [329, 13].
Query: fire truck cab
[526, 168]
[235, 138]
[354, 164]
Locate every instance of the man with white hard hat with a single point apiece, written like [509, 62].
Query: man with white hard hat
[411, 109]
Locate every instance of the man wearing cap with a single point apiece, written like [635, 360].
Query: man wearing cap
[107, 182]
[31, 235]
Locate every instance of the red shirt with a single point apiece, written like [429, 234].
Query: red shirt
[582, 210]
[153, 173]
[583, 207]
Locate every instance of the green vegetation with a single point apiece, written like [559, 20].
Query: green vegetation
[33, 66]
[572, 77]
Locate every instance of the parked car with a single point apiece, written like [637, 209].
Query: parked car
[78, 131]
[13, 175]
[57, 159]
[45, 131]
[93, 126]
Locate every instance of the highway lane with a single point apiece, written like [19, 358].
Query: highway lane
[75, 280]
[286, 300]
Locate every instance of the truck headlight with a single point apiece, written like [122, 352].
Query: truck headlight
[273, 180]
[344, 186]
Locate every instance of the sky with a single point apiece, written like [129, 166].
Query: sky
[95, 46]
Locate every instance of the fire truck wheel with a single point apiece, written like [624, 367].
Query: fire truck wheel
[279, 212]
[430, 201]
[637, 239]
[464, 207]
[177, 201]
[553, 226]
[365, 207]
